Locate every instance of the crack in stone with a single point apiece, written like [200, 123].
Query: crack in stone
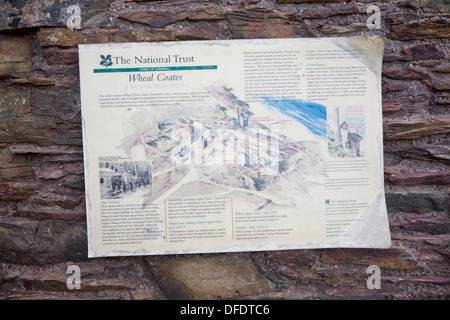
[34, 237]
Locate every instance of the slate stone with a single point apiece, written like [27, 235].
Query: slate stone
[16, 239]
[26, 241]
[438, 151]
[45, 150]
[436, 83]
[208, 277]
[58, 282]
[15, 56]
[51, 213]
[441, 240]
[435, 6]
[307, 1]
[423, 51]
[66, 56]
[17, 15]
[394, 18]
[67, 158]
[72, 38]
[415, 201]
[401, 129]
[168, 1]
[432, 279]
[74, 183]
[56, 171]
[443, 69]
[433, 254]
[416, 52]
[40, 117]
[262, 23]
[334, 278]
[321, 13]
[413, 178]
[297, 258]
[16, 191]
[388, 87]
[433, 28]
[402, 106]
[405, 73]
[442, 99]
[329, 29]
[15, 168]
[430, 225]
[394, 258]
[38, 82]
[160, 19]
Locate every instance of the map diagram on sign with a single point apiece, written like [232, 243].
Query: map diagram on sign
[230, 146]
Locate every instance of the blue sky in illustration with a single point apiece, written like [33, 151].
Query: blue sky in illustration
[312, 115]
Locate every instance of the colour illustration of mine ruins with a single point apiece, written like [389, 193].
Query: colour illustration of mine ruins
[269, 154]
[345, 132]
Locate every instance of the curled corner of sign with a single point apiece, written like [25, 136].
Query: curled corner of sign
[377, 42]
[371, 229]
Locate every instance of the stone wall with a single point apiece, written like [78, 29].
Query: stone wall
[42, 208]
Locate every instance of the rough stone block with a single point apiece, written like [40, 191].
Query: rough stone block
[36, 13]
[405, 73]
[321, 13]
[441, 6]
[443, 99]
[56, 170]
[434, 254]
[57, 200]
[58, 282]
[438, 83]
[72, 38]
[16, 191]
[15, 168]
[45, 150]
[433, 28]
[430, 225]
[74, 183]
[415, 201]
[40, 117]
[437, 280]
[15, 56]
[26, 241]
[344, 29]
[402, 106]
[53, 213]
[396, 18]
[260, 23]
[442, 69]
[423, 51]
[16, 239]
[61, 56]
[412, 178]
[160, 19]
[394, 258]
[297, 258]
[438, 151]
[307, 1]
[208, 277]
[389, 87]
[441, 240]
[401, 129]
[38, 82]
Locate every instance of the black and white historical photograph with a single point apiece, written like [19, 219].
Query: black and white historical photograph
[125, 179]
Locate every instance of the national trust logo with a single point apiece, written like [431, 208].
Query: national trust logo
[106, 61]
